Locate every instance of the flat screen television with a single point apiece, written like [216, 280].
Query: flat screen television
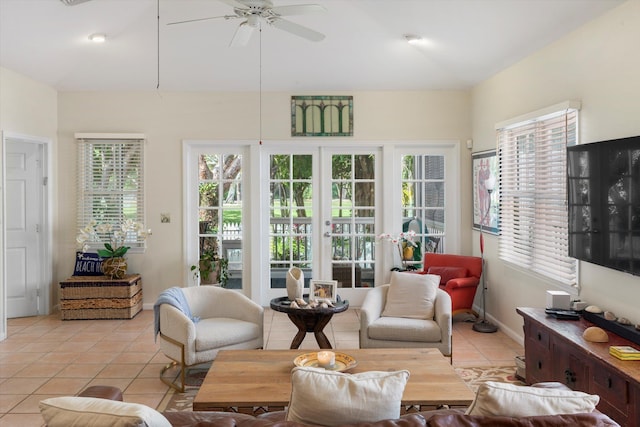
[603, 181]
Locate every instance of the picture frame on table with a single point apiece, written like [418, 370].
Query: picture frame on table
[323, 290]
[486, 200]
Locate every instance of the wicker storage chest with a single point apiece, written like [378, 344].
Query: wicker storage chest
[98, 297]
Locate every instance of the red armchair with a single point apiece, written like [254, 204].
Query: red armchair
[459, 277]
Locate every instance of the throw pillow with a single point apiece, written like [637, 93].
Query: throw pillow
[88, 264]
[71, 411]
[510, 400]
[447, 273]
[594, 419]
[329, 398]
[411, 295]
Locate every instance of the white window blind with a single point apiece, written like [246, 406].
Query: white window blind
[533, 192]
[111, 182]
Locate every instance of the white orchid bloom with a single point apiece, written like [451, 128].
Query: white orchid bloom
[116, 235]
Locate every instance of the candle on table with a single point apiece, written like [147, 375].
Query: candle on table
[326, 359]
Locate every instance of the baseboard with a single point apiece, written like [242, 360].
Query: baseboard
[517, 337]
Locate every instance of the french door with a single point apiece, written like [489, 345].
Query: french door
[349, 215]
[216, 215]
[321, 216]
[265, 208]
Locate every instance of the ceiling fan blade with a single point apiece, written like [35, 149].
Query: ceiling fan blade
[234, 4]
[73, 2]
[297, 29]
[242, 34]
[299, 9]
[203, 19]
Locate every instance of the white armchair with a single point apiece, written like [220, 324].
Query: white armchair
[227, 320]
[377, 331]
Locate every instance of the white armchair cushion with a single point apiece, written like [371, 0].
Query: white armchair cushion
[331, 398]
[72, 411]
[411, 295]
[222, 332]
[403, 329]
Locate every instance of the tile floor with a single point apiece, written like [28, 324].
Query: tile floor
[44, 356]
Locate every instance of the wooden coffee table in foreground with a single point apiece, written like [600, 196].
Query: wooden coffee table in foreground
[252, 381]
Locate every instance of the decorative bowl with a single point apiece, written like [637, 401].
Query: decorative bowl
[344, 362]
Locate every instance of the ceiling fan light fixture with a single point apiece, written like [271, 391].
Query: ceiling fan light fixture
[252, 21]
[98, 37]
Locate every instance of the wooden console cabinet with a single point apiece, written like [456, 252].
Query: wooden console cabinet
[99, 297]
[555, 351]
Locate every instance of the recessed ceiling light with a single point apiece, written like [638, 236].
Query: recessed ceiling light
[98, 37]
[413, 39]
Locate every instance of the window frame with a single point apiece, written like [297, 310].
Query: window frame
[415, 185]
[86, 178]
[533, 185]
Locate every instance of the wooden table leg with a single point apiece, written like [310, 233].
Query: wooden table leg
[315, 324]
[302, 330]
[321, 338]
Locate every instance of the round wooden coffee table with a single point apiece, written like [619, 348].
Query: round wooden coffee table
[309, 319]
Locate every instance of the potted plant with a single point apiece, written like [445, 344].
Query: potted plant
[113, 237]
[211, 269]
[405, 244]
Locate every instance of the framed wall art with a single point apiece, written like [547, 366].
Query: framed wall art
[486, 194]
[323, 290]
[322, 116]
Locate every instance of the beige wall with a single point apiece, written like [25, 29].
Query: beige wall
[168, 118]
[598, 65]
[27, 108]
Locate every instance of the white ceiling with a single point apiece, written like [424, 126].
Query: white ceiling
[364, 48]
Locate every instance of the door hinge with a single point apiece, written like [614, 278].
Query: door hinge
[45, 180]
[37, 228]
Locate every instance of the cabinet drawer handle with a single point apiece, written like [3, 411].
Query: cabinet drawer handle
[609, 382]
[570, 377]
[539, 337]
[539, 364]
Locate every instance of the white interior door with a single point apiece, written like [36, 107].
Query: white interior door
[24, 213]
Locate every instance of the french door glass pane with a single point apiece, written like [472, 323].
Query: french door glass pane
[290, 214]
[220, 217]
[353, 231]
[423, 203]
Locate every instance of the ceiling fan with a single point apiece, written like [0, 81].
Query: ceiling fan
[252, 11]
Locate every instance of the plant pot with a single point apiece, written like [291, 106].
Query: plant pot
[115, 268]
[208, 272]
